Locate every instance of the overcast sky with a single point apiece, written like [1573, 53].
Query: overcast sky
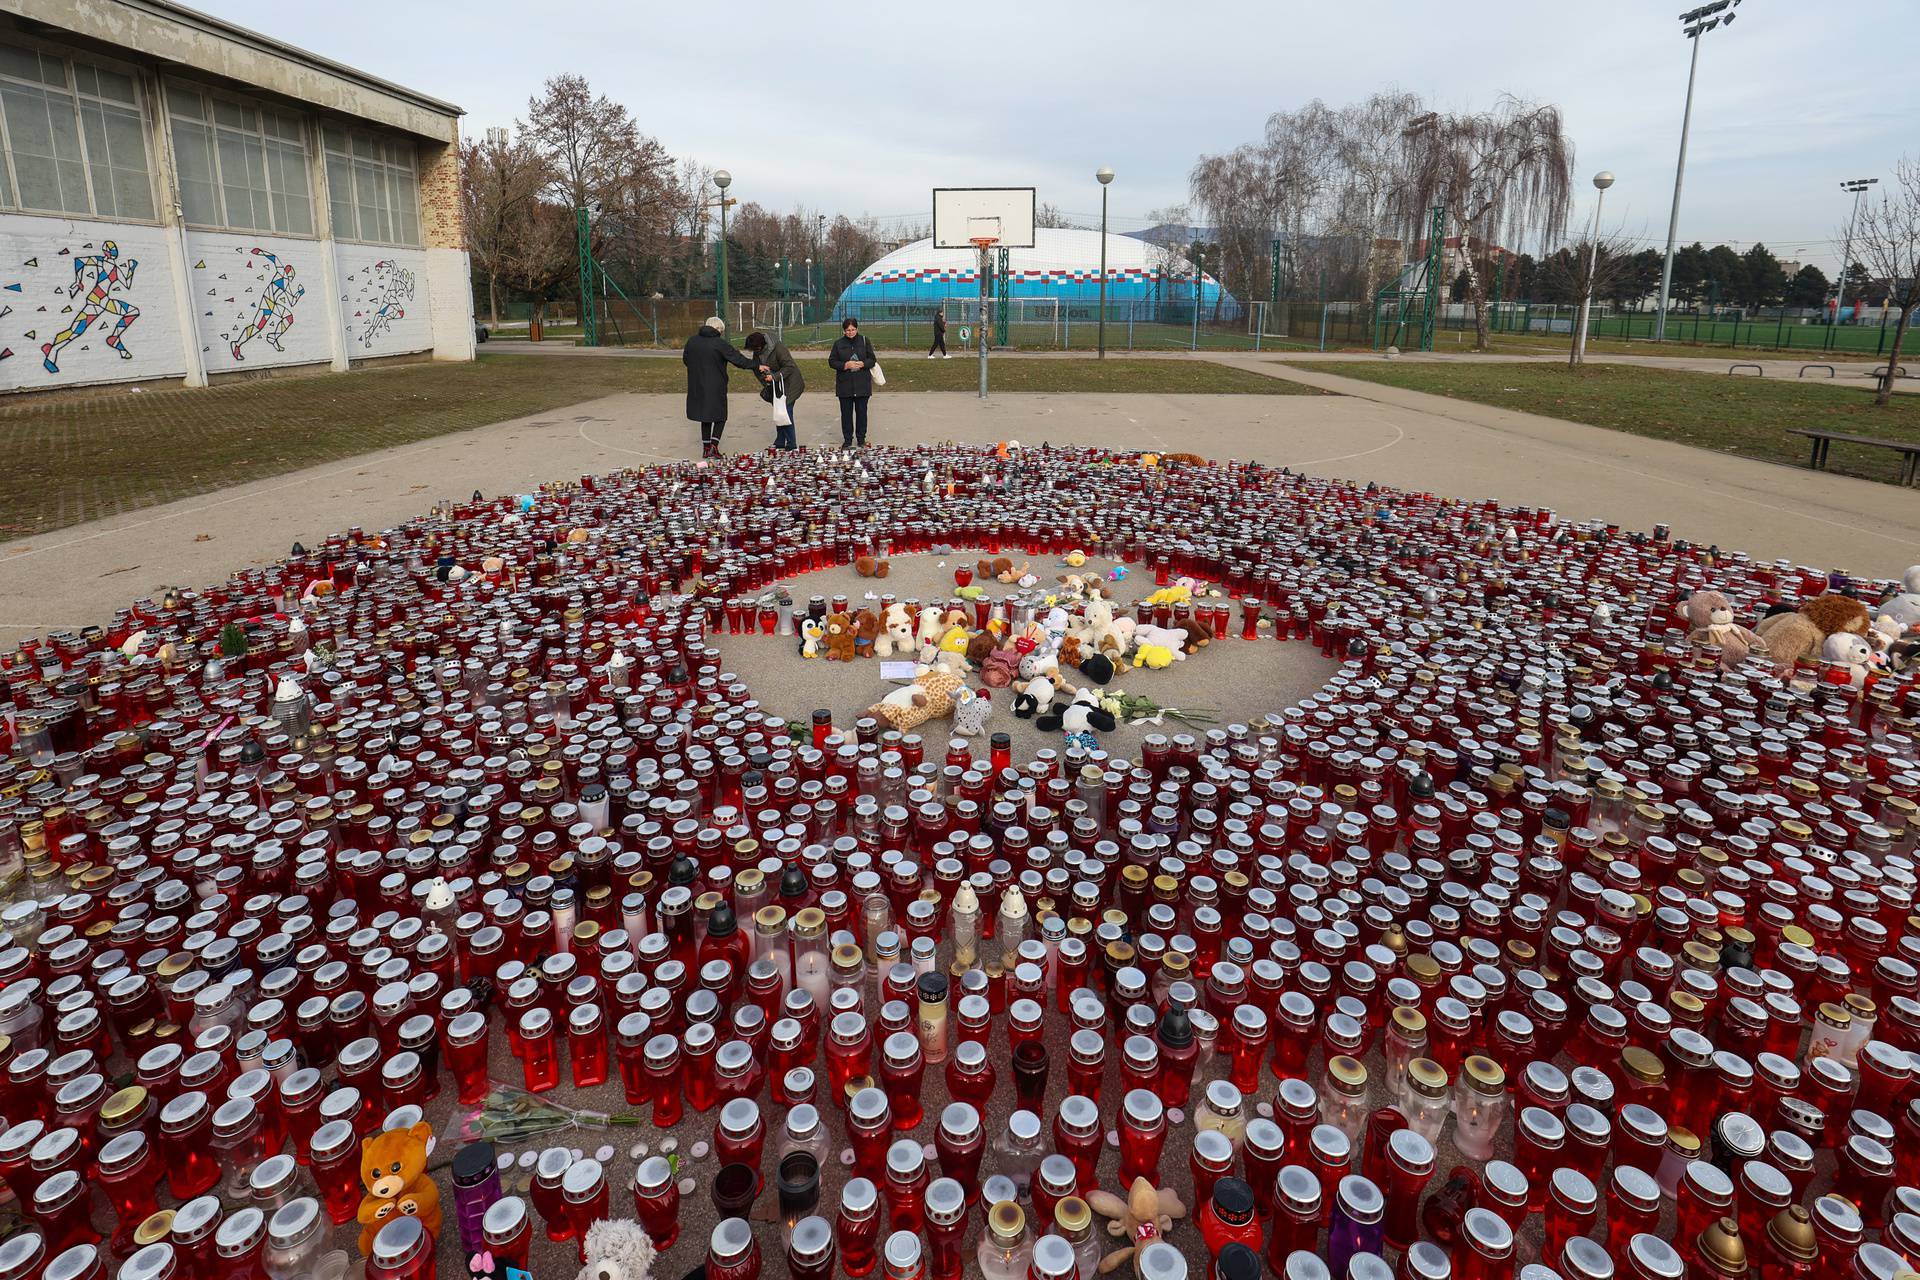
[862, 108]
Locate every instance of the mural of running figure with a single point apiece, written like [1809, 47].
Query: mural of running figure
[392, 285]
[274, 314]
[109, 273]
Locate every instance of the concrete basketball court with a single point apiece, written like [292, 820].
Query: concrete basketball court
[71, 577]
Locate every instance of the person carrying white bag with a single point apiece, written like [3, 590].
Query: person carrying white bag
[781, 384]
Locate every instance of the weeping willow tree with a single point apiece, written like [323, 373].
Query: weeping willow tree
[1500, 174]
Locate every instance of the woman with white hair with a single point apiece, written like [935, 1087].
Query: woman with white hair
[707, 355]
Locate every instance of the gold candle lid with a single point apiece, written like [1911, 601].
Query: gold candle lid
[1791, 1231]
[1484, 1074]
[1428, 1077]
[123, 1105]
[156, 1227]
[1721, 1243]
[1006, 1223]
[1410, 1020]
[1072, 1214]
[1348, 1075]
[1643, 1065]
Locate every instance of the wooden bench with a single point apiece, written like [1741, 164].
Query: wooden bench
[1823, 441]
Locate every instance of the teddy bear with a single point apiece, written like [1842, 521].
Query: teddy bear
[1709, 619]
[813, 634]
[971, 711]
[1800, 633]
[868, 567]
[1010, 575]
[1070, 652]
[1145, 1215]
[1198, 633]
[896, 631]
[995, 568]
[866, 632]
[933, 625]
[984, 642]
[1845, 659]
[1155, 657]
[1147, 635]
[839, 638]
[929, 697]
[1100, 630]
[618, 1249]
[1080, 715]
[393, 1169]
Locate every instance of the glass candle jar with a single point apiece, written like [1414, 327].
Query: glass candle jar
[1005, 1249]
[586, 1194]
[1410, 1163]
[296, 1237]
[1299, 1209]
[732, 1251]
[1077, 1135]
[946, 1209]
[856, 1227]
[1357, 1225]
[126, 1173]
[960, 1142]
[656, 1201]
[901, 1068]
[1572, 1206]
[1479, 1106]
[508, 1229]
[1143, 1132]
[1486, 1247]
[241, 1235]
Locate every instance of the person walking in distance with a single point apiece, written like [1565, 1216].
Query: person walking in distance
[852, 360]
[707, 355]
[781, 376]
[939, 335]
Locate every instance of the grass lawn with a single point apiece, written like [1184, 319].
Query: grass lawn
[89, 455]
[1744, 416]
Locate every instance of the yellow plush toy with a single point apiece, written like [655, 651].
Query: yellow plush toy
[1171, 595]
[1154, 657]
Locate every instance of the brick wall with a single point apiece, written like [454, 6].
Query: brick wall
[441, 222]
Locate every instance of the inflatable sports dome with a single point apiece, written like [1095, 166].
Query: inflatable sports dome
[1063, 264]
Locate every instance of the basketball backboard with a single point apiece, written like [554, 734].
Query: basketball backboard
[962, 215]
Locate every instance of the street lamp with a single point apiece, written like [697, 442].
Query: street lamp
[1697, 23]
[1859, 188]
[722, 179]
[1105, 175]
[1601, 182]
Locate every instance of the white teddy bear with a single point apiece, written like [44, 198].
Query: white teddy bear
[1848, 655]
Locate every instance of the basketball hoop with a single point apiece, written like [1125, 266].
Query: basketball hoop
[984, 243]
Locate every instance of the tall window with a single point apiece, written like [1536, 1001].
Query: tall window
[372, 188]
[75, 138]
[241, 166]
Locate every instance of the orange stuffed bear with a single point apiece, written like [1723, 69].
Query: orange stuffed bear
[393, 1169]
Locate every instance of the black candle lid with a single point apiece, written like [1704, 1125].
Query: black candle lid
[1176, 1029]
[720, 922]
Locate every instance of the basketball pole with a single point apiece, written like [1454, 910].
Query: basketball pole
[985, 248]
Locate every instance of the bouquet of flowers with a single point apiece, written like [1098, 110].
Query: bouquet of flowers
[1133, 708]
[512, 1115]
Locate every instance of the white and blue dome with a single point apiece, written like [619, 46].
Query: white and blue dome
[1063, 263]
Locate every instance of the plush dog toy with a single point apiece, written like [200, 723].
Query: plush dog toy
[1033, 692]
[868, 567]
[1709, 618]
[971, 711]
[1199, 635]
[1802, 633]
[393, 1169]
[1145, 1215]
[896, 632]
[839, 638]
[813, 635]
[1846, 659]
[1083, 714]
[618, 1249]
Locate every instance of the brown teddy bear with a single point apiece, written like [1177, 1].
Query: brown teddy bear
[868, 567]
[1199, 634]
[393, 1169]
[840, 641]
[866, 630]
[1792, 636]
[1709, 619]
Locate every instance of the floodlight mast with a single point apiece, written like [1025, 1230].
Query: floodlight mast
[1695, 23]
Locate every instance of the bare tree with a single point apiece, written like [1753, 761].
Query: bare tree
[501, 178]
[1166, 238]
[1597, 264]
[1373, 158]
[1887, 240]
[1505, 173]
[1049, 215]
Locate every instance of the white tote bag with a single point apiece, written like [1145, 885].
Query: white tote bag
[879, 375]
[781, 418]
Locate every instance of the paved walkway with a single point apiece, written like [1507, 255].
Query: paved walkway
[80, 575]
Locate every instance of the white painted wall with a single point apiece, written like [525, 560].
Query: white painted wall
[450, 281]
[244, 295]
[42, 296]
[386, 302]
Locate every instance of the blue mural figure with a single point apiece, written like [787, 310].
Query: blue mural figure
[109, 273]
[273, 316]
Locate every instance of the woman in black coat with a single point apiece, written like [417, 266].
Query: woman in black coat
[852, 359]
[775, 360]
[707, 355]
